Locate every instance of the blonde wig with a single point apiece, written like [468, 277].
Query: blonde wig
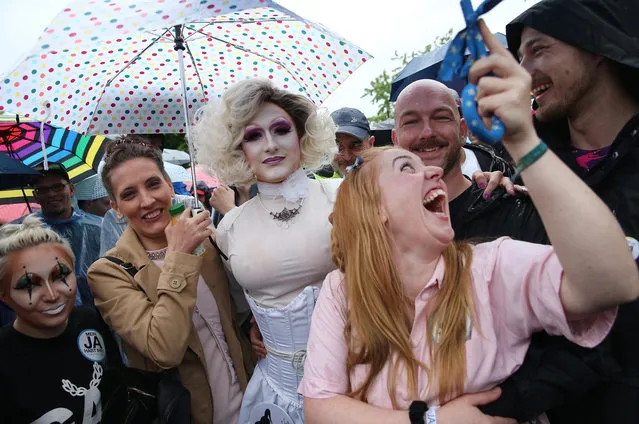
[219, 130]
[378, 325]
[31, 233]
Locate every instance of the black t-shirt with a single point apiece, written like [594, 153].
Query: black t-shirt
[59, 380]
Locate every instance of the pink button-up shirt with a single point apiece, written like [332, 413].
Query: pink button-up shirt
[515, 289]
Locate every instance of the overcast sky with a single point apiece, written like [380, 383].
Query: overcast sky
[379, 27]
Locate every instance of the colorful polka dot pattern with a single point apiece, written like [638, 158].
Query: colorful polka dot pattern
[109, 67]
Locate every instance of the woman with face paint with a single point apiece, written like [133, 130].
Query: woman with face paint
[278, 242]
[53, 358]
[171, 308]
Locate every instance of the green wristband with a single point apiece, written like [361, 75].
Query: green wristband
[531, 157]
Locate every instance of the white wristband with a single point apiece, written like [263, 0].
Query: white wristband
[431, 416]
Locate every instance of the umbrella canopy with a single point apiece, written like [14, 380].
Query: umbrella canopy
[9, 213]
[109, 66]
[427, 66]
[14, 174]
[80, 155]
[12, 196]
[202, 175]
[176, 173]
[177, 157]
[90, 188]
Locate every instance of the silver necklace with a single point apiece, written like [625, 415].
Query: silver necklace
[157, 255]
[285, 214]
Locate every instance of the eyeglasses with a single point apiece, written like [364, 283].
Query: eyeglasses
[54, 189]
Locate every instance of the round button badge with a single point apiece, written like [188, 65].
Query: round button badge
[91, 345]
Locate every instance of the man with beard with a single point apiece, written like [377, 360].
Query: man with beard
[354, 136]
[583, 57]
[428, 123]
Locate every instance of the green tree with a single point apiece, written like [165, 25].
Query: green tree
[175, 141]
[380, 88]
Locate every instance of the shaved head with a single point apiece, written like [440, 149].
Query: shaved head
[421, 89]
[428, 123]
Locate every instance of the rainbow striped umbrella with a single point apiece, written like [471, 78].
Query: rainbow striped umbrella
[20, 139]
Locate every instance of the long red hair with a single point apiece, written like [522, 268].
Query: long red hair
[378, 324]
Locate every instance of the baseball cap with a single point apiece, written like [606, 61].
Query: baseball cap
[351, 121]
[201, 188]
[54, 168]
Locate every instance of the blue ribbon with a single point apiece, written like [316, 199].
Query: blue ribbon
[454, 66]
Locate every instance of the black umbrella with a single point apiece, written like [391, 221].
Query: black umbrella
[427, 66]
[15, 174]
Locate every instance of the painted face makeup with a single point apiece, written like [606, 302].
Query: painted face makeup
[271, 144]
[41, 290]
[28, 281]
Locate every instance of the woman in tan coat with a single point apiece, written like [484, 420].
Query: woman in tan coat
[175, 311]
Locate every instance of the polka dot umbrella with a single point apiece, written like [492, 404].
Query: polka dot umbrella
[110, 66]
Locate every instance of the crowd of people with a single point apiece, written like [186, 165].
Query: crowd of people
[332, 281]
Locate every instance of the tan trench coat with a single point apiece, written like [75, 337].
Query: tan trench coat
[152, 314]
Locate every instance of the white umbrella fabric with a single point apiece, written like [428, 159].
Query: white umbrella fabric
[111, 66]
[177, 157]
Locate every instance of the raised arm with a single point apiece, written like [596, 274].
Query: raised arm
[159, 330]
[599, 271]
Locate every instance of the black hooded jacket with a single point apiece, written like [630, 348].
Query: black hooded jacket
[559, 376]
[604, 386]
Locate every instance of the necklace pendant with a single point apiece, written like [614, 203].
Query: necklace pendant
[286, 214]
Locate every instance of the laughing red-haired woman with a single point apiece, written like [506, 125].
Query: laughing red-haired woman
[412, 320]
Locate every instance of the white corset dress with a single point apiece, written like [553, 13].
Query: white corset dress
[277, 376]
[281, 270]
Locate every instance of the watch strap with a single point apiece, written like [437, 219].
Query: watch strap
[416, 412]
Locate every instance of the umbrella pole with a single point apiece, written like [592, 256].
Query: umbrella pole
[180, 47]
[44, 149]
[26, 199]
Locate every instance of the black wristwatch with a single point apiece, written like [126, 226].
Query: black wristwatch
[416, 412]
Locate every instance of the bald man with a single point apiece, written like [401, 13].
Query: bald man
[428, 123]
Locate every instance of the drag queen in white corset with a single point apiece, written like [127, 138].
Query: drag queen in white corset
[278, 243]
